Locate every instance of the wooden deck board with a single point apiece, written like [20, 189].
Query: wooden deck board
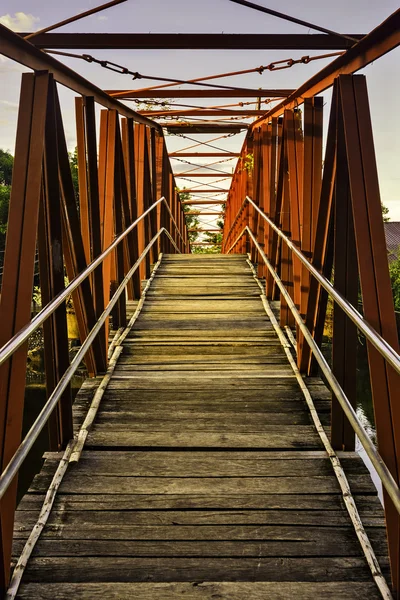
[203, 475]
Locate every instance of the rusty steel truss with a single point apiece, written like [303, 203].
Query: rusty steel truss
[329, 208]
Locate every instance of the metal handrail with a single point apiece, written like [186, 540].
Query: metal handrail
[381, 345]
[22, 451]
[23, 334]
[385, 475]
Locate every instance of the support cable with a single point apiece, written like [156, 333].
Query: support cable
[116, 68]
[271, 67]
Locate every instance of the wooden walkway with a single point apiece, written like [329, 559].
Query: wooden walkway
[203, 476]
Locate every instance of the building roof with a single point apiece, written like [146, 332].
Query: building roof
[392, 234]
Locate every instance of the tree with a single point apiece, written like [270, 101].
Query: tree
[191, 220]
[215, 238]
[73, 163]
[394, 271]
[6, 167]
[385, 213]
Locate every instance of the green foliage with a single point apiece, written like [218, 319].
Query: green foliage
[385, 213]
[248, 164]
[4, 204]
[6, 167]
[394, 270]
[206, 250]
[73, 163]
[191, 220]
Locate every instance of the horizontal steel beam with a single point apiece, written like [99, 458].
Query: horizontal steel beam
[200, 93]
[205, 230]
[15, 47]
[205, 191]
[205, 128]
[203, 112]
[201, 154]
[204, 214]
[216, 176]
[192, 41]
[196, 202]
[380, 41]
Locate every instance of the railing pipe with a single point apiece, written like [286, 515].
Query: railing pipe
[21, 453]
[18, 339]
[381, 345]
[384, 474]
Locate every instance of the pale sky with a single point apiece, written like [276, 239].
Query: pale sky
[213, 16]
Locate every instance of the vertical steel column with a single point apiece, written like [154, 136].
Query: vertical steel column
[16, 296]
[74, 255]
[95, 226]
[84, 208]
[119, 311]
[294, 152]
[312, 178]
[51, 267]
[375, 287]
[128, 139]
[322, 254]
[275, 195]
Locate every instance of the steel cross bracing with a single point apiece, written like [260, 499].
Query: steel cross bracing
[130, 210]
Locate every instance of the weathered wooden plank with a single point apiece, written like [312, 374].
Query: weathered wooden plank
[367, 504]
[126, 541]
[83, 518]
[223, 381]
[198, 464]
[200, 591]
[103, 569]
[83, 483]
[210, 422]
[205, 439]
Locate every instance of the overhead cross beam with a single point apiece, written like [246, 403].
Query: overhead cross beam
[203, 112]
[178, 154]
[200, 93]
[203, 127]
[214, 175]
[192, 41]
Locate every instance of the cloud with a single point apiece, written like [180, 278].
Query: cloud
[9, 105]
[20, 21]
[102, 18]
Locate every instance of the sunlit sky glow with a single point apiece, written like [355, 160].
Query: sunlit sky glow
[212, 16]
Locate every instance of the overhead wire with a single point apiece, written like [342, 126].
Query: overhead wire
[260, 70]
[206, 143]
[199, 185]
[116, 68]
[220, 137]
[203, 166]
